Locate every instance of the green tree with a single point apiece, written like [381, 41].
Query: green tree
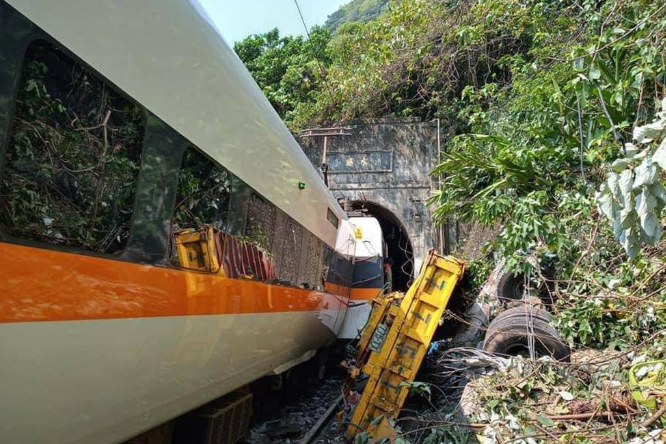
[356, 11]
[535, 97]
[288, 69]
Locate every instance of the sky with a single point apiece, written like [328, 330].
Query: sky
[237, 19]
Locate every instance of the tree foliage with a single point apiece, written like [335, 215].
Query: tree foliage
[634, 197]
[356, 11]
[288, 69]
[536, 99]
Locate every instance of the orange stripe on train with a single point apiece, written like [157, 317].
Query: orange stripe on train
[47, 285]
[364, 294]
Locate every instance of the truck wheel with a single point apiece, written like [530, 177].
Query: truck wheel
[510, 287]
[524, 310]
[510, 335]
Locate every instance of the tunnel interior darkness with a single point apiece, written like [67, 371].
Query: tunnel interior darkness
[397, 241]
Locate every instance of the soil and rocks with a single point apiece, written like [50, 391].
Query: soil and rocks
[286, 415]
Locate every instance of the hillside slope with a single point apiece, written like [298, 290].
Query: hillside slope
[356, 11]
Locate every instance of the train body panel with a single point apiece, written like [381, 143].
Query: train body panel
[168, 57]
[105, 381]
[369, 276]
[100, 344]
[101, 350]
[49, 286]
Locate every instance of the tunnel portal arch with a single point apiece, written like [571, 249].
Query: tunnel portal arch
[384, 165]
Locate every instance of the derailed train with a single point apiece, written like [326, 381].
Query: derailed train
[123, 124]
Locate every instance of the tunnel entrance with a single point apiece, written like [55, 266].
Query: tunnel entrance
[397, 241]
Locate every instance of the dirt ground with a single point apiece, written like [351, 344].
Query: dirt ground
[285, 416]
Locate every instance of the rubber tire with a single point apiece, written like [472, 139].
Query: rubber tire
[508, 334]
[510, 287]
[522, 311]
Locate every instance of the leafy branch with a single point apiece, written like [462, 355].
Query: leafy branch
[633, 197]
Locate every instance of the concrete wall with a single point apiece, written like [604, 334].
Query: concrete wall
[388, 163]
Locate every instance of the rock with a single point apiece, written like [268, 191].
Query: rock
[258, 438]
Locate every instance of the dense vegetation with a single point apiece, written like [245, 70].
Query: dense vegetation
[555, 132]
[290, 70]
[538, 97]
[356, 11]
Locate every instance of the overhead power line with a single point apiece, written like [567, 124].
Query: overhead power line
[300, 13]
[322, 69]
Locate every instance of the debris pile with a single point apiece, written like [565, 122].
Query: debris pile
[478, 397]
[609, 387]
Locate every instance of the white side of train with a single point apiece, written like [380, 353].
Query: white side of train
[101, 379]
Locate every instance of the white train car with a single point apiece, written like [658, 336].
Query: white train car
[370, 278]
[123, 123]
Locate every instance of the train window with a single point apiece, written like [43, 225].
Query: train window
[332, 218]
[72, 158]
[288, 267]
[204, 192]
[260, 223]
[314, 269]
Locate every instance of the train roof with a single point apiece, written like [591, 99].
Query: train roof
[169, 56]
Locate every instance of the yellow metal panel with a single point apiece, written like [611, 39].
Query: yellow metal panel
[358, 233]
[197, 250]
[394, 343]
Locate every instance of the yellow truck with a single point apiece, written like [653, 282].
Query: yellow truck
[392, 347]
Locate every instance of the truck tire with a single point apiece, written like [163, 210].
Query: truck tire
[510, 335]
[510, 286]
[524, 310]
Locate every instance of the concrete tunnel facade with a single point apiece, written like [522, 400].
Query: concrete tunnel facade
[384, 167]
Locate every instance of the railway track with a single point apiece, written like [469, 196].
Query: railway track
[323, 425]
[301, 409]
